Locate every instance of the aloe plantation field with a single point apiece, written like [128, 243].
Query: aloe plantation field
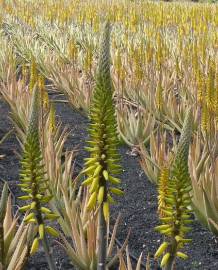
[108, 135]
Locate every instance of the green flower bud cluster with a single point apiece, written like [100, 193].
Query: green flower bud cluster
[175, 213]
[32, 179]
[102, 165]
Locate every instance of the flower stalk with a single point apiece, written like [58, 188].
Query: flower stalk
[174, 201]
[33, 182]
[101, 167]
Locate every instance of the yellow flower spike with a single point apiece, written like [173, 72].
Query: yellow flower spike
[41, 83]
[35, 246]
[163, 190]
[165, 259]
[33, 74]
[72, 50]
[24, 73]
[88, 60]
[205, 118]
[200, 86]
[210, 89]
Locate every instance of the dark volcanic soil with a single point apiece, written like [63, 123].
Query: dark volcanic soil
[138, 206]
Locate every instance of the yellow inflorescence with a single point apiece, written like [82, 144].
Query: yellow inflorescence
[163, 190]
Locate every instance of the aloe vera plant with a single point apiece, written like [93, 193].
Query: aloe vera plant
[204, 172]
[135, 126]
[15, 238]
[205, 197]
[153, 160]
[162, 70]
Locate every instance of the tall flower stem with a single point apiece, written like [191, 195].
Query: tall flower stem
[48, 255]
[102, 165]
[102, 240]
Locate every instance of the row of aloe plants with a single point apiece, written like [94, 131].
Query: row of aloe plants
[84, 213]
[157, 77]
